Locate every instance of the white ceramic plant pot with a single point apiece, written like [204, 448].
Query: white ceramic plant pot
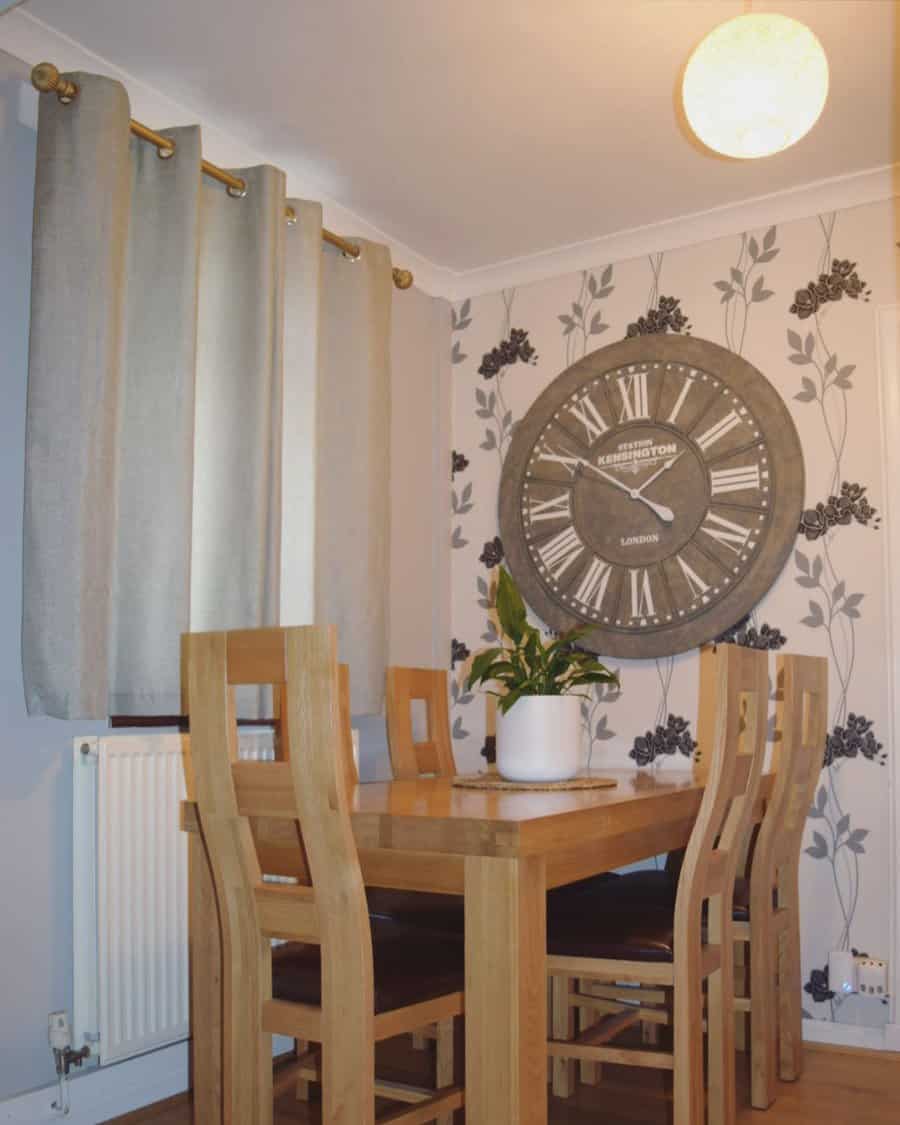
[539, 738]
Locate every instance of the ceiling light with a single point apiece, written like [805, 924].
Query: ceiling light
[755, 85]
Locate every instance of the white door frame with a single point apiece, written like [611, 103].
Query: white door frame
[888, 327]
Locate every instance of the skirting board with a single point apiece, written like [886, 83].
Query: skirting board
[110, 1091]
[885, 1038]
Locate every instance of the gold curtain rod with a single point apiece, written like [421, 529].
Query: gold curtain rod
[47, 79]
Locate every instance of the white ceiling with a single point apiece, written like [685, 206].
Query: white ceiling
[478, 131]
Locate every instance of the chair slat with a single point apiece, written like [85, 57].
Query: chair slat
[288, 912]
[434, 755]
[264, 789]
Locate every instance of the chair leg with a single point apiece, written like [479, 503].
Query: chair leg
[562, 1016]
[790, 1015]
[721, 1083]
[588, 1072]
[741, 988]
[419, 1041]
[445, 1062]
[763, 1025]
[687, 1079]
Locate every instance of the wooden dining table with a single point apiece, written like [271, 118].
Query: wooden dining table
[502, 851]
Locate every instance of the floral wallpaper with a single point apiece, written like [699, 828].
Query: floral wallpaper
[799, 302]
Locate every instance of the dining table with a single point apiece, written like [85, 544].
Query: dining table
[502, 851]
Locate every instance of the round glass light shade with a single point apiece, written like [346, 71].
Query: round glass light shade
[755, 85]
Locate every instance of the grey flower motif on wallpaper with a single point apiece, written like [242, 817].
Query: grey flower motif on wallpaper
[667, 316]
[459, 462]
[852, 740]
[841, 281]
[459, 322]
[673, 738]
[459, 652]
[746, 634]
[491, 405]
[839, 510]
[492, 553]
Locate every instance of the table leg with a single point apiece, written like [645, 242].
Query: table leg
[205, 945]
[506, 991]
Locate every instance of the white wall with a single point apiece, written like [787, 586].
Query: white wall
[35, 778]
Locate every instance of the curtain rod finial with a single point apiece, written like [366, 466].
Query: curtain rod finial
[403, 279]
[46, 78]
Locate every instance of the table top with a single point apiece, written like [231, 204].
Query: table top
[430, 814]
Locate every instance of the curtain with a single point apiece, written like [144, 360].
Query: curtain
[178, 379]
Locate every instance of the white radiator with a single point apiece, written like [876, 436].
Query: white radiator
[130, 895]
[131, 989]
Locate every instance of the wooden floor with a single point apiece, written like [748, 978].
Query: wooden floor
[837, 1088]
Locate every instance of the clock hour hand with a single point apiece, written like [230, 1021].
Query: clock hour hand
[659, 510]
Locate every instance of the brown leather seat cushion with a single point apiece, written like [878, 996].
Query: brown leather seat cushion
[409, 968]
[620, 931]
[641, 888]
[432, 913]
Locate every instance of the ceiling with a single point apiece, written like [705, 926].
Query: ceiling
[478, 131]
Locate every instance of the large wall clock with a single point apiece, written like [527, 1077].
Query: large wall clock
[652, 492]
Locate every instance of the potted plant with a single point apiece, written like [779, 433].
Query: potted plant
[538, 696]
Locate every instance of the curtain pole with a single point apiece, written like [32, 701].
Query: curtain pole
[46, 78]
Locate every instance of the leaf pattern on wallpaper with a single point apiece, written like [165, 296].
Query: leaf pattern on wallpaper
[584, 321]
[670, 733]
[460, 504]
[833, 605]
[490, 404]
[746, 286]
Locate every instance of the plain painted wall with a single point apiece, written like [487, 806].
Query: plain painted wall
[35, 754]
[35, 772]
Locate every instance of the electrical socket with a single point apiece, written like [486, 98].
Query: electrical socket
[852, 973]
[872, 974]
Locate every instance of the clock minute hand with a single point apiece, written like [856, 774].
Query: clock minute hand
[666, 465]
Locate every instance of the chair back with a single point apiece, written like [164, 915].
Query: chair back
[732, 736]
[304, 793]
[411, 759]
[801, 718]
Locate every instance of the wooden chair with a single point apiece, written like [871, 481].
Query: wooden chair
[667, 953]
[337, 981]
[771, 924]
[411, 759]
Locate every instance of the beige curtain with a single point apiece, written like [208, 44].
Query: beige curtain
[173, 467]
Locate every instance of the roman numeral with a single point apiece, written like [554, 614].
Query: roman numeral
[719, 430]
[559, 507]
[693, 579]
[641, 594]
[558, 553]
[633, 389]
[734, 480]
[731, 535]
[564, 457]
[679, 402]
[592, 590]
[586, 412]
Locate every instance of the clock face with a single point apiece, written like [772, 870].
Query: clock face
[653, 492]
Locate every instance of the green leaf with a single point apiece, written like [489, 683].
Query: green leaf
[510, 607]
[481, 665]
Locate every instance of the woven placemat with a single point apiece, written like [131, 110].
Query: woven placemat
[495, 781]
